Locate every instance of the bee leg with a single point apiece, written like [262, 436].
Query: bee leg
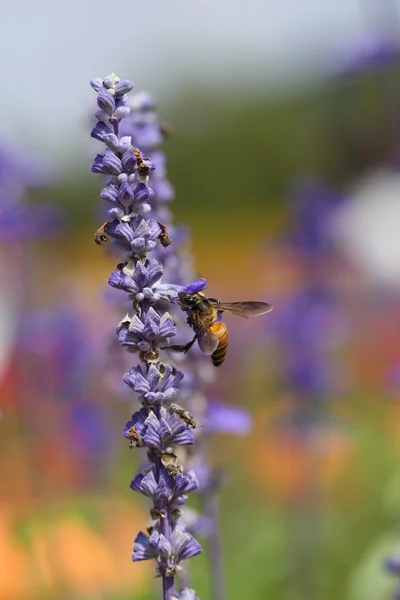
[180, 347]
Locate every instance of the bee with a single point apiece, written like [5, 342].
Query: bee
[135, 440]
[204, 317]
[170, 461]
[164, 238]
[184, 415]
[100, 236]
[143, 169]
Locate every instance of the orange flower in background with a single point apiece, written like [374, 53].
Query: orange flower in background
[63, 552]
[15, 579]
[289, 463]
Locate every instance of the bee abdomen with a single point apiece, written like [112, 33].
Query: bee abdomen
[220, 331]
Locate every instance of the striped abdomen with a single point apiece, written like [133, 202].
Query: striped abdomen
[220, 331]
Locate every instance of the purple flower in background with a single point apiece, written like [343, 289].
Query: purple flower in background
[309, 327]
[368, 54]
[135, 223]
[311, 205]
[20, 223]
[310, 322]
[20, 174]
[392, 566]
[227, 419]
[59, 360]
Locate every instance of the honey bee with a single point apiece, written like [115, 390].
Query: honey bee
[100, 236]
[143, 169]
[135, 440]
[164, 238]
[211, 333]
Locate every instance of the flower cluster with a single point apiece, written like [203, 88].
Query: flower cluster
[148, 133]
[149, 328]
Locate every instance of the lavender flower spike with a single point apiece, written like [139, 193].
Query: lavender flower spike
[144, 331]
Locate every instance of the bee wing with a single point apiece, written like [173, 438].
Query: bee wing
[245, 309]
[208, 342]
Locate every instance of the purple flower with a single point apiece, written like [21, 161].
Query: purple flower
[147, 333]
[154, 385]
[306, 342]
[135, 224]
[369, 54]
[138, 236]
[56, 342]
[112, 99]
[311, 205]
[168, 554]
[159, 432]
[19, 221]
[166, 430]
[392, 564]
[195, 287]
[228, 419]
[168, 493]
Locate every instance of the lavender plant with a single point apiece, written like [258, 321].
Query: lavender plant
[148, 132]
[156, 426]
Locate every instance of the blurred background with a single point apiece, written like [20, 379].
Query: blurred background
[285, 157]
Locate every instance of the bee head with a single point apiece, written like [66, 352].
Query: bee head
[189, 300]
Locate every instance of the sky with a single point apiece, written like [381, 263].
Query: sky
[49, 50]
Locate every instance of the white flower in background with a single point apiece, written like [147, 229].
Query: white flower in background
[367, 227]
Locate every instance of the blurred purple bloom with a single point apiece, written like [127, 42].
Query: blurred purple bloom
[56, 344]
[20, 221]
[89, 429]
[311, 205]
[227, 419]
[57, 339]
[309, 325]
[369, 54]
[392, 564]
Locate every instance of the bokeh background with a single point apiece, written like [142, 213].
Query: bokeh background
[285, 156]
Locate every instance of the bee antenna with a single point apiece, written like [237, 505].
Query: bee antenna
[173, 298]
